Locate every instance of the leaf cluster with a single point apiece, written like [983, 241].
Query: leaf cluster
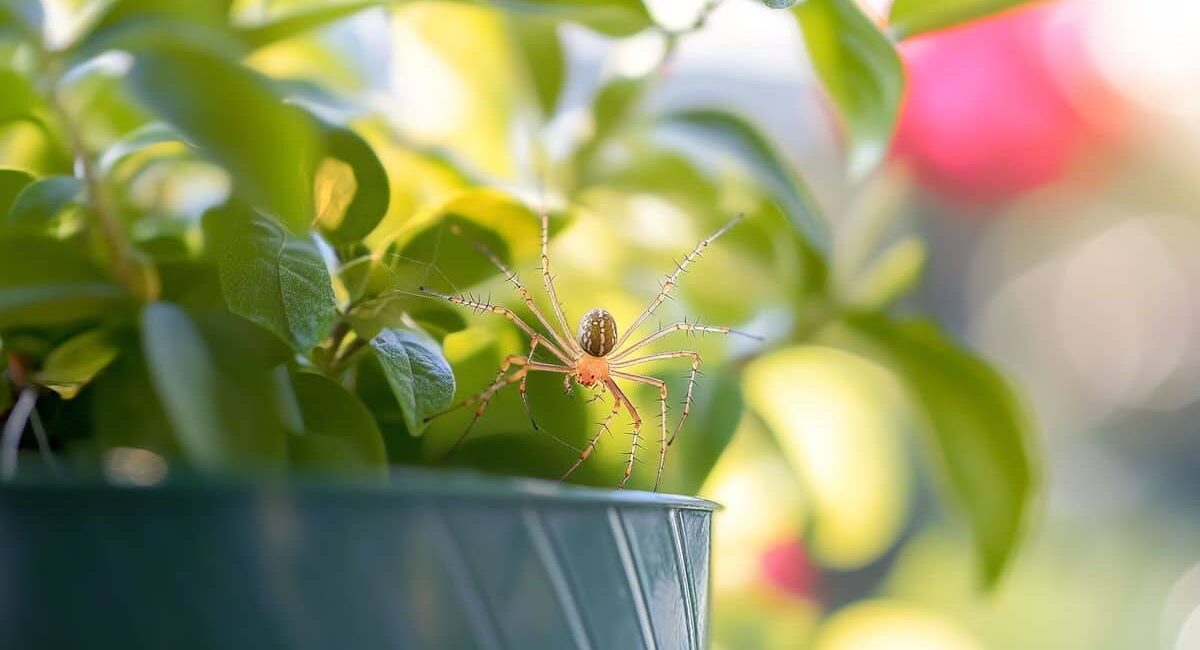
[208, 257]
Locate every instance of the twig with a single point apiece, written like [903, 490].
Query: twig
[10, 440]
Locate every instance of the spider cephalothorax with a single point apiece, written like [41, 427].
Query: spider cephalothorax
[597, 357]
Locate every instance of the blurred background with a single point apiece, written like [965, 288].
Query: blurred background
[1040, 185]
[1048, 155]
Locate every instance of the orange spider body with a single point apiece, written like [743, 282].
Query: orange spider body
[596, 357]
[589, 370]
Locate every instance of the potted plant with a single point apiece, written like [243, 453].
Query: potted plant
[235, 296]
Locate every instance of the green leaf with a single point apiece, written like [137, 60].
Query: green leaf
[45, 281]
[12, 181]
[186, 381]
[438, 320]
[351, 189]
[480, 216]
[896, 271]
[541, 50]
[977, 427]
[41, 201]
[232, 115]
[861, 72]
[340, 434]
[911, 17]
[418, 374]
[125, 410]
[138, 140]
[613, 104]
[742, 140]
[270, 276]
[397, 310]
[211, 12]
[220, 400]
[73, 364]
[612, 107]
[137, 25]
[302, 20]
[610, 17]
[18, 98]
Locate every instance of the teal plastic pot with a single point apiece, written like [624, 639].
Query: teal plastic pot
[431, 560]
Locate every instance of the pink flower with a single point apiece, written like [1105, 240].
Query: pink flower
[1001, 105]
[786, 567]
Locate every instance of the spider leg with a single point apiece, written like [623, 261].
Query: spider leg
[637, 428]
[568, 343]
[662, 423]
[484, 397]
[687, 400]
[677, 327]
[522, 388]
[591, 444]
[480, 306]
[598, 394]
[548, 280]
[568, 387]
[673, 279]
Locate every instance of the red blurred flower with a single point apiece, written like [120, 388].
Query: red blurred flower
[1002, 105]
[786, 566]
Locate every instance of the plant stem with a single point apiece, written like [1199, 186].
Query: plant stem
[344, 359]
[124, 259]
[126, 268]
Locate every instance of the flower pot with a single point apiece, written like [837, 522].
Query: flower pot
[431, 560]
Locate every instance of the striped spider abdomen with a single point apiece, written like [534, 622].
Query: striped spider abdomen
[597, 332]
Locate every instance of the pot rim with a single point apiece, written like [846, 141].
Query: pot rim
[403, 483]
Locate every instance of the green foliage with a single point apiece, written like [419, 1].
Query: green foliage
[125, 409]
[420, 378]
[216, 254]
[448, 234]
[713, 421]
[351, 187]
[911, 17]
[221, 404]
[270, 276]
[74, 363]
[18, 98]
[738, 137]
[611, 17]
[46, 281]
[860, 70]
[235, 118]
[978, 430]
[12, 182]
[545, 62]
[339, 433]
[888, 278]
[301, 21]
[39, 202]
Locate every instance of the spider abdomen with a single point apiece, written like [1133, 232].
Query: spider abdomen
[597, 332]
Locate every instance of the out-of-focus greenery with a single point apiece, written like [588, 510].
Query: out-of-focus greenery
[214, 218]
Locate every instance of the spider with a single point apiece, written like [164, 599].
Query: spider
[595, 358]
